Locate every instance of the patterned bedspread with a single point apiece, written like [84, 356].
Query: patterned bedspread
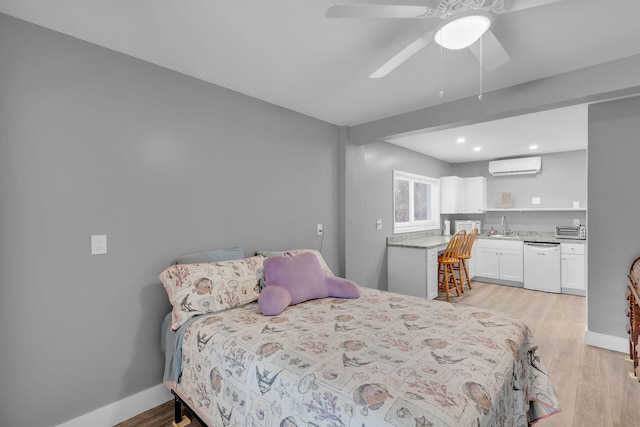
[381, 360]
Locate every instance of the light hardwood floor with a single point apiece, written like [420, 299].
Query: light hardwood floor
[592, 384]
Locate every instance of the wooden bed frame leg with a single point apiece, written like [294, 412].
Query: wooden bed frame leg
[185, 422]
[179, 420]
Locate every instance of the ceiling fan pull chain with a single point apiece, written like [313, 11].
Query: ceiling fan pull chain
[480, 96]
[441, 94]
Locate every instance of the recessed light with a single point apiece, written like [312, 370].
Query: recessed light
[533, 147]
[460, 140]
[477, 148]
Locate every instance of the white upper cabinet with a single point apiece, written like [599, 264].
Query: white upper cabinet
[475, 194]
[463, 195]
[451, 194]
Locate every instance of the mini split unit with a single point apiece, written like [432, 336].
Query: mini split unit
[515, 166]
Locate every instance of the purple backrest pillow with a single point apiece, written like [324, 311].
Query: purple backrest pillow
[295, 279]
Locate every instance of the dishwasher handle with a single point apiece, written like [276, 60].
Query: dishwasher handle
[541, 244]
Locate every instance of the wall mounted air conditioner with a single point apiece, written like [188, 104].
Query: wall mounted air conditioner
[515, 166]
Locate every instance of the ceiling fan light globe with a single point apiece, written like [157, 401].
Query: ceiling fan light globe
[462, 31]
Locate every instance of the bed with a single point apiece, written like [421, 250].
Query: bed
[382, 359]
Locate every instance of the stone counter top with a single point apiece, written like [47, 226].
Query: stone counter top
[528, 236]
[431, 240]
[427, 242]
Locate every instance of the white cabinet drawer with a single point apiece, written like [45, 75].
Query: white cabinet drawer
[515, 245]
[572, 248]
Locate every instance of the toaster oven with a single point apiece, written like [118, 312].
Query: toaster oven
[578, 232]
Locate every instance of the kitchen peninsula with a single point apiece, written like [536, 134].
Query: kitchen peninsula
[413, 261]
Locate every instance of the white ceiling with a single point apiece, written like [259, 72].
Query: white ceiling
[552, 131]
[287, 53]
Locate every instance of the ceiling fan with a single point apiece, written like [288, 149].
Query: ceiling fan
[456, 24]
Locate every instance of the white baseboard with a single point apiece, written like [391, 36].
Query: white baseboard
[122, 410]
[606, 341]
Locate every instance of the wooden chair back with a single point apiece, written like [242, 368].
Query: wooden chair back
[452, 251]
[467, 244]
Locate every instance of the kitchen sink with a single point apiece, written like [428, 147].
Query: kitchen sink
[505, 236]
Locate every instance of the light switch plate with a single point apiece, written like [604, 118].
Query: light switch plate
[379, 224]
[99, 244]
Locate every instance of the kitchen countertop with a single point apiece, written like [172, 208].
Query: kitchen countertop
[426, 241]
[528, 236]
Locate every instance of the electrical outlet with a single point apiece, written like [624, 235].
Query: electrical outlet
[576, 222]
[99, 244]
[535, 200]
[319, 230]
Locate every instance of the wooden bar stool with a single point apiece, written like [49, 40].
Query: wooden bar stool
[446, 263]
[465, 254]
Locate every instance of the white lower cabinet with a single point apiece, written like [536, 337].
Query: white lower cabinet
[432, 273]
[413, 271]
[487, 262]
[512, 264]
[499, 259]
[573, 268]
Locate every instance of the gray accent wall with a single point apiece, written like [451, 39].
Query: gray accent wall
[96, 142]
[614, 211]
[561, 181]
[369, 196]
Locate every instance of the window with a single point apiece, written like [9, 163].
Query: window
[415, 202]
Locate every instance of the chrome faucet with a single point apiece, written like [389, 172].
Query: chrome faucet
[503, 223]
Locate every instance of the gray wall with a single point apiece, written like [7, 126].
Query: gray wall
[562, 180]
[614, 210]
[95, 142]
[369, 190]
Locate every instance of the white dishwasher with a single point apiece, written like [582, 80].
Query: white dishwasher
[542, 266]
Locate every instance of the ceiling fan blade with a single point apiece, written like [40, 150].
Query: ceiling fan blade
[515, 5]
[493, 54]
[376, 11]
[403, 55]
